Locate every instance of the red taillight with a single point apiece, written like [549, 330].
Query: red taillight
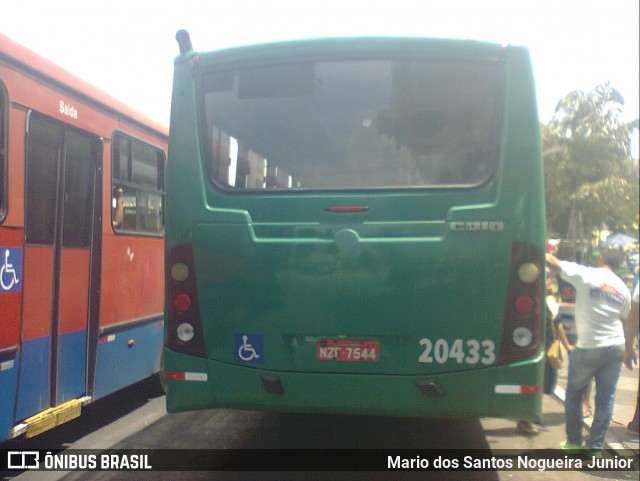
[182, 302]
[184, 326]
[522, 325]
[525, 305]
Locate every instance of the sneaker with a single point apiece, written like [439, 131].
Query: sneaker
[527, 427]
[572, 448]
[592, 452]
[580, 449]
[632, 428]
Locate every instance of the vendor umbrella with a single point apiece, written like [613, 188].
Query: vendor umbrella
[620, 239]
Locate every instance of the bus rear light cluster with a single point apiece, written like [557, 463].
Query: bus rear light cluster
[184, 327]
[522, 325]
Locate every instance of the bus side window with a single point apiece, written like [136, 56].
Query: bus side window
[117, 207]
[137, 203]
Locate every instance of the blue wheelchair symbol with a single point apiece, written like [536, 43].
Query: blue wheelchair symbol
[10, 270]
[249, 348]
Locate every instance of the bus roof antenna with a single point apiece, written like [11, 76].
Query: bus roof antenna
[184, 41]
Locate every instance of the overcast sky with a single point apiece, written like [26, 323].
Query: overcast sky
[127, 48]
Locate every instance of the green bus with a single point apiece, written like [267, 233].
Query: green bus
[355, 225]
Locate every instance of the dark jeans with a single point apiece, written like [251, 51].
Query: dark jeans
[604, 364]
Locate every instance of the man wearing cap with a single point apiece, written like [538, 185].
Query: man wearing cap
[602, 301]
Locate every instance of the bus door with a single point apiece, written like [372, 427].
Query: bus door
[61, 179]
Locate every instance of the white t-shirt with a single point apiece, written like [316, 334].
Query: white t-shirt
[602, 300]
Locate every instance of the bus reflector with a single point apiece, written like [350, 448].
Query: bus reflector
[186, 376]
[516, 389]
[5, 366]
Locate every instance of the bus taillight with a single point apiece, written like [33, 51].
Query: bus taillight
[184, 327]
[525, 305]
[521, 334]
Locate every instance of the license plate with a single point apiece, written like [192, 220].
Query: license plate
[347, 350]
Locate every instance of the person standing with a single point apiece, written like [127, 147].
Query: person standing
[630, 358]
[602, 301]
[565, 322]
[565, 327]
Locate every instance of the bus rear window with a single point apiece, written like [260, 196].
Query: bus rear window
[354, 124]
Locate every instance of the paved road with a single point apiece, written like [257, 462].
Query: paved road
[148, 426]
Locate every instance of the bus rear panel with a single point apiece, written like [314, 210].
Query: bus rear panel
[355, 226]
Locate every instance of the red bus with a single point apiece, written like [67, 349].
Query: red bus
[81, 243]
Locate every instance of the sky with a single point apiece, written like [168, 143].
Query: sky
[127, 48]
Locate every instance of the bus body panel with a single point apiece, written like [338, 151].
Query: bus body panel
[470, 393]
[68, 295]
[136, 348]
[425, 275]
[34, 383]
[11, 315]
[11, 305]
[35, 364]
[131, 261]
[327, 288]
[9, 386]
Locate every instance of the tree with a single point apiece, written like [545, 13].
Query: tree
[588, 165]
[611, 202]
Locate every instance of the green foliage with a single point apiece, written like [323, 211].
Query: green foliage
[612, 202]
[588, 165]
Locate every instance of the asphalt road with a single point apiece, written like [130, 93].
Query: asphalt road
[134, 419]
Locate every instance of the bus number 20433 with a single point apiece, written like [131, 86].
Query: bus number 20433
[470, 351]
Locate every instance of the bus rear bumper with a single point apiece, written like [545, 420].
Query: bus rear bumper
[513, 391]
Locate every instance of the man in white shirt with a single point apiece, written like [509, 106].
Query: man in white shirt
[602, 301]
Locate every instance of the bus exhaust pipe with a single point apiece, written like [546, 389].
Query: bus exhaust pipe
[184, 41]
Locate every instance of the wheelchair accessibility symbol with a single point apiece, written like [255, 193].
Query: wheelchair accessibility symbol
[10, 269]
[249, 348]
